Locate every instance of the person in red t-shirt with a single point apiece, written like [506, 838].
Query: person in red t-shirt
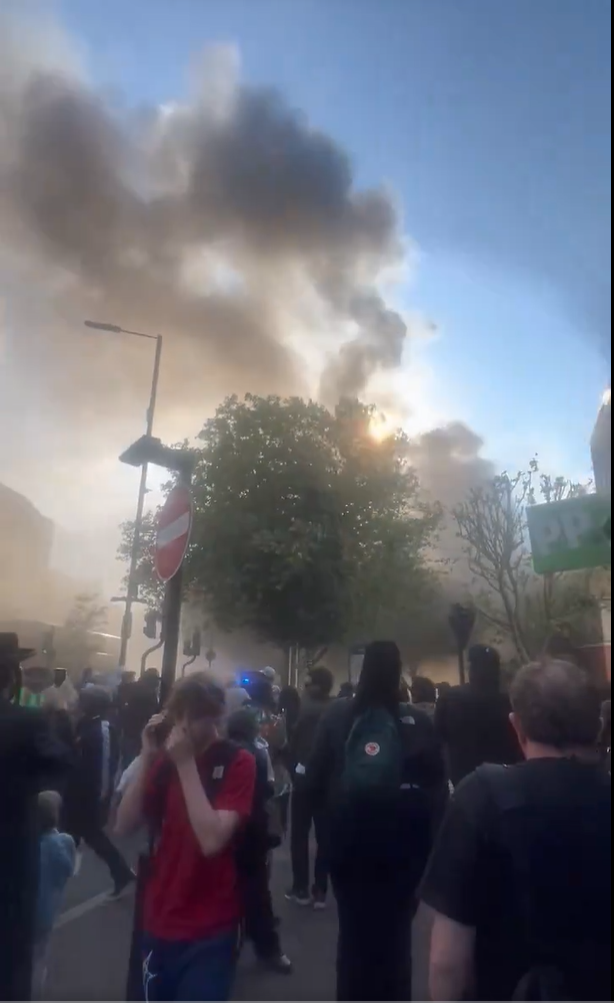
[193, 907]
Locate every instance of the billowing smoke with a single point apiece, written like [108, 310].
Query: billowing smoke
[450, 462]
[229, 224]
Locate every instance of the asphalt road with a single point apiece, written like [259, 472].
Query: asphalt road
[89, 949]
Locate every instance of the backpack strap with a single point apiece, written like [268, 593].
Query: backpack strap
[161, 784]
[212, 775]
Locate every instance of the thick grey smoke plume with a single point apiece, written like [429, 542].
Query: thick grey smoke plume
[450, 462]
[229, 224]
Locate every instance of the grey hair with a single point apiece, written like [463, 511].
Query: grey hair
[557, 705]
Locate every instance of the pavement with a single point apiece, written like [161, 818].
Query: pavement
[89, 948]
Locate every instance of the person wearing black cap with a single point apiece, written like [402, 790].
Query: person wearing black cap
[30, 761]
[473, 721]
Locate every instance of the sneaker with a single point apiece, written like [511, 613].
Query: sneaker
[319, 901]
[122, 886]
[281, 964]
[301, 897]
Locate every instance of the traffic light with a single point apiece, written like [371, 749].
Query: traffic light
[151, 625]
[462, 621]
[192, 647]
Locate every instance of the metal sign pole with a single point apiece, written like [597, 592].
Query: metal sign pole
[173, 603]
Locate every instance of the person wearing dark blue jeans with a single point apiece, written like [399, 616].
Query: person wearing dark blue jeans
[196, 795]
[189, 970]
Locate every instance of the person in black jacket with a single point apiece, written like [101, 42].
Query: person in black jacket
[137, 702]
[92, 783]
[31, 760]
[254, 848]
[379, 845]
[304, 813]
[473, 721]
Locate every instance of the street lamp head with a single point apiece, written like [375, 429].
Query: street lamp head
[147, 450]
[96, 326]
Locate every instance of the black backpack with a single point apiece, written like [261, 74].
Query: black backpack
[548, 976]
[383, 811]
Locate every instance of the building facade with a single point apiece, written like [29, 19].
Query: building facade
[26, 540]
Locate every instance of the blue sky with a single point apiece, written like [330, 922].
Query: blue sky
[490, 121]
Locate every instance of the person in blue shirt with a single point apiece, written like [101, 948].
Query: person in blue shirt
[57, 864]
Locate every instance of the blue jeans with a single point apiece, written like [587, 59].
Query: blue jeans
[189, 970]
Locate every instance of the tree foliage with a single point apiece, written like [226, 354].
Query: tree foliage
[87, 617]
[150, 588]
[492, 523]
[307, 530]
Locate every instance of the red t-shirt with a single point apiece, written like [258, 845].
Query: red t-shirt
[190, 896]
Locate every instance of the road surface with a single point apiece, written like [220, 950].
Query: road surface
[89, 948]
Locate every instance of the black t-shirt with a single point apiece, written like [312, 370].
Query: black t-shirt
[138, 703]
[559, 814]
[475, 728]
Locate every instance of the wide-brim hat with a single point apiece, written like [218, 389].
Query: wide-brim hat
[9, 645]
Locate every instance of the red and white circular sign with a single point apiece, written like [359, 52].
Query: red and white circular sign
[173, 532]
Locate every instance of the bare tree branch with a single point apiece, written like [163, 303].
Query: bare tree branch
[492, 524]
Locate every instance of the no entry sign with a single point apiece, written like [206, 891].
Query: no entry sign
[173, 533]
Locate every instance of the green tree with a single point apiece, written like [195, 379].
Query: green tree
[151, 589]
[307, 530]
[76, 646]
[519, 605]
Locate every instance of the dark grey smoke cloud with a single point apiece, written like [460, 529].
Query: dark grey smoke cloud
[451, 462]
[110, 212]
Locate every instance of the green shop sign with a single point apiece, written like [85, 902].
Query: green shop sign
[571, 535]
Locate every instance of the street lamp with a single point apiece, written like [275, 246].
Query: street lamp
[181, 462]
[132, 590]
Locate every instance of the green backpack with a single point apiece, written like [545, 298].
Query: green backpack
[374, 755]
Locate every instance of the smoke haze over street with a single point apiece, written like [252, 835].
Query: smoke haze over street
[228, 222]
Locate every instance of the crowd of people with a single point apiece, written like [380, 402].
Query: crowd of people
[492, 809]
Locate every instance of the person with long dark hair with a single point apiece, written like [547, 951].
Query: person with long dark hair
[378, 768]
